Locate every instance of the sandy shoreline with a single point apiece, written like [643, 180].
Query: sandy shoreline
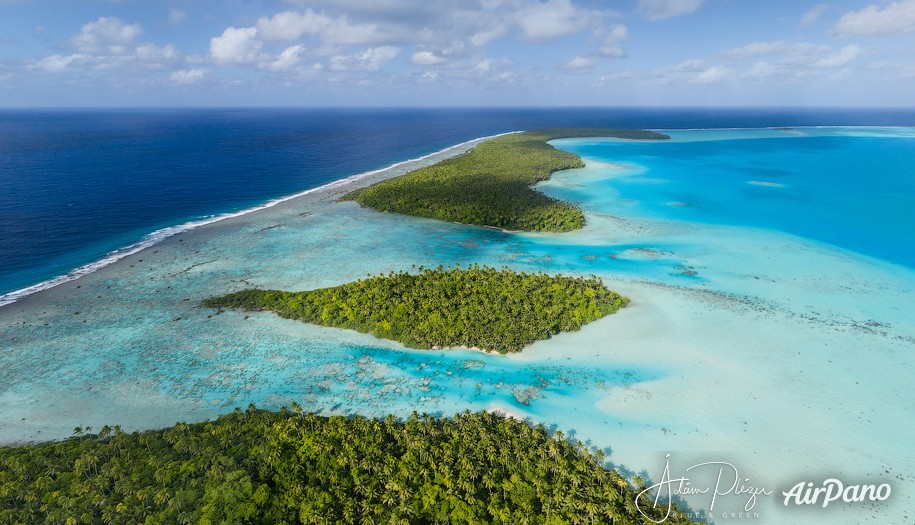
[331, 189]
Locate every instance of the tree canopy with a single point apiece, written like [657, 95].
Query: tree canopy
[491, 184]
[260, 467]
[480, 307]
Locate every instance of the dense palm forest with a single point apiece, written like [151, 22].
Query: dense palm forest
[480, 307]
[260, 467]
[491, 184]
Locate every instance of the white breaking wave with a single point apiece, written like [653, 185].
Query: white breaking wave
[164, 233]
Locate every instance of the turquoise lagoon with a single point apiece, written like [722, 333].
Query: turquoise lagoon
[771, 274]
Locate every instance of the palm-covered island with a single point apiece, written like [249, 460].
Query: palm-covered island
[260, 467]
[257, 466]
[491, 184]
[479, 307]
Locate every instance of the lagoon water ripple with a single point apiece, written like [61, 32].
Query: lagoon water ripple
[771, 287]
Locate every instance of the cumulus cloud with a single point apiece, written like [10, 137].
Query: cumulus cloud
[290, 25]
[579, 64]
[108, 43]
[426, 58]
[365, 35]
[288, 60]
[236, 46]
[544, 22]
[186, 77]
[895, 18]
[663, 9]
[293, 25]
[107, 34]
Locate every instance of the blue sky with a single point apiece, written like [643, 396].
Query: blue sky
[458, 53]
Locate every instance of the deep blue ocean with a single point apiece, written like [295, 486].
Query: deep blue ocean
[78, 184]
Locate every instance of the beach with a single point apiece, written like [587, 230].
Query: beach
[786, 356]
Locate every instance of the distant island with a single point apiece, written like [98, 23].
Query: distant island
[491, 184]
[475, 307]
[256, 466]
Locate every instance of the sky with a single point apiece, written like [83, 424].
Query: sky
[137, 53]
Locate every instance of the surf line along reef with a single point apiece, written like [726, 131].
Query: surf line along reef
[477, 307]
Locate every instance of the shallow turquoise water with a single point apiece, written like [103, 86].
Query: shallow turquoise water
[745, 327]
[843, 187]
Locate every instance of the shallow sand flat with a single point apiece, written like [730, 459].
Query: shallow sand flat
[786, 357]
[783, 398]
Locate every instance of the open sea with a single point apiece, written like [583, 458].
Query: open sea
[77, 185]
[769, 256]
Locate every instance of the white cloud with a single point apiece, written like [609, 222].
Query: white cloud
[58, 63]
[236, 46]
[107, 34]
[617, 34]
[152, 54]
[429, 76]
[813, 14]
[897, 69]
[614, 51]
[290, 25]
[579, 64]
[288, 60]
[695, 72]
[840, 58]
[488, 34]
[793, 61]
[615, 76]
[712, 75]
[369, 60]
[185, 77]
[764, 69]
[757, 49]
[895, 18]
[796, 54]
[662, 9]
[426, 58]
[108, 44]
[543, 22]
[691, 65]
[490, 65]
[341, 31]
[293, 25]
